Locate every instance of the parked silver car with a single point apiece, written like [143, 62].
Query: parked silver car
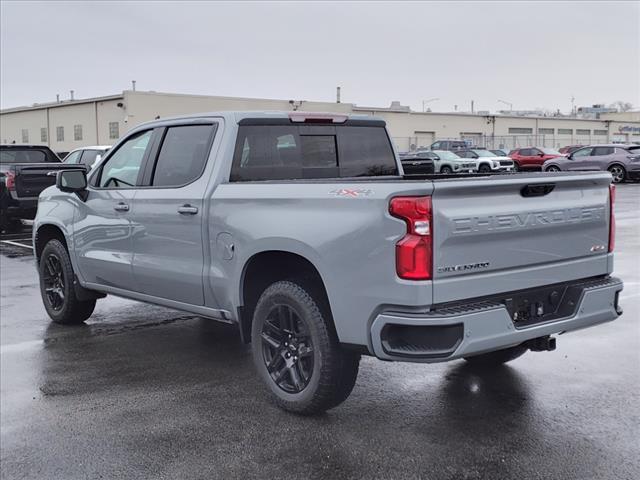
[622, 161]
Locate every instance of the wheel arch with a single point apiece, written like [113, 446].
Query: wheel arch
[44, 233]
[269, 266]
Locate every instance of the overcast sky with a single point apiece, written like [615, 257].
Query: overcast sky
[534, 55]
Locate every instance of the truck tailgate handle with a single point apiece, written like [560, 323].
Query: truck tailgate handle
[187, 210]
[537, 190]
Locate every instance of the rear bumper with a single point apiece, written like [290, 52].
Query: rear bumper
[483, 326]
[19, 207]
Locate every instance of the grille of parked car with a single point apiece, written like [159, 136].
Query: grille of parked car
[506, 163]
[468, 165]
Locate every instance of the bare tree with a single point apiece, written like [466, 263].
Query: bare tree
[622, 106]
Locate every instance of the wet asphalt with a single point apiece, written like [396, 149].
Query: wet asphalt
[146, 392]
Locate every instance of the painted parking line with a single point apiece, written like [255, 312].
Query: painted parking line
[11, 242]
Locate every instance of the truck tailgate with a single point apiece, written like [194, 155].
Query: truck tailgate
[31, 179]
[503, 233]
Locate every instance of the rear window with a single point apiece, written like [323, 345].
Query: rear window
[15, 155]
[287, 152]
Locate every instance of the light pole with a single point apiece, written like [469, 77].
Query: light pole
[507, 103]
[424, 102]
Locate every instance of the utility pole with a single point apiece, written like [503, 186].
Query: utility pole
[424, 102]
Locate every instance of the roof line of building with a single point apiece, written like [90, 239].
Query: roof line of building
[61, 103]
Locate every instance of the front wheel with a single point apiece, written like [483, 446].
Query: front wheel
[484, 168]
[552, 168]
[296, 351]
[493, 359]
[57, 289]
[618, 173]
[446, 170]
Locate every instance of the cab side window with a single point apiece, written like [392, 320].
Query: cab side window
[183, 155]
[122, 168]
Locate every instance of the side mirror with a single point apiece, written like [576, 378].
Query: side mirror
[541, 154]
[74, 181]
[570, 156]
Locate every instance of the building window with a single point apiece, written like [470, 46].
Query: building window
[583, 132]
[77, 132]
[60, 134]
[114, 130]
[521, 130]
[43, 135]
[546, 131]
[565, 131]
[25, 135]
[600, 132]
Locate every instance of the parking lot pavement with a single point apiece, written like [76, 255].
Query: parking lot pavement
[146, 392]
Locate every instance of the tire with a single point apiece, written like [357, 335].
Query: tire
[618, 173]
[484, 168]
[494, 359]
[57, 289]
[446, 170]
[552, 168]
[516, 167]
[296, 350]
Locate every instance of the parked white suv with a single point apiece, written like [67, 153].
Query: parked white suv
[89, 156]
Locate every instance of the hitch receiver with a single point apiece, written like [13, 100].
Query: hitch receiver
[541, 344]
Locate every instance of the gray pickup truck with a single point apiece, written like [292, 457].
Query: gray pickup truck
[302, 230]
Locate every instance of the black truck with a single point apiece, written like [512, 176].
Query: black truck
[24, 173]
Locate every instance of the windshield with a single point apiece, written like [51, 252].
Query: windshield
[446, 155]
[484, 153]
[550, 151]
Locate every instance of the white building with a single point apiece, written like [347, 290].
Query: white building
[70, 124]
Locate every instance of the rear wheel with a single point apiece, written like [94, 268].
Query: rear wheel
[57, 289]
[297, 353]
[446, 170]
[493, 359]
[618, 173]
[552, 168]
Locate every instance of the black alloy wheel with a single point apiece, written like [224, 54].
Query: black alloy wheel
[618, 173]
[54, 282]
[287, 349]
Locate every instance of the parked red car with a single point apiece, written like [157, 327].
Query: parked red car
[532, 158]
[569, 149]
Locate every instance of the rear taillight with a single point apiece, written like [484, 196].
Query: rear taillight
[414, 251]
[10, 180]
[612, 217]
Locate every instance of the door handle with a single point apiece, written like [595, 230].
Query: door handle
[121, 207]
[187, 210]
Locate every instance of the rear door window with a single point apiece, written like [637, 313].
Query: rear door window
[598, 151]
[183, 155]
[284, 152]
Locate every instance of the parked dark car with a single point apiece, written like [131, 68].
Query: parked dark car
[622, 161]
[452, 145]
[418, 162]
[24, 173]
[569, 149]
